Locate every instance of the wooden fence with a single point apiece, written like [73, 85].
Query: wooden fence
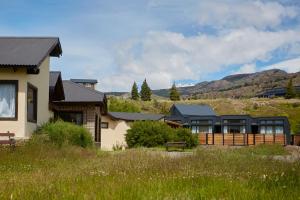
[239, 139]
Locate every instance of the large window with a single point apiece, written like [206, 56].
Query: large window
[271, 130]
[201, 129]
[74, 117]
[31, 103]
[8, 100]
[234, 129]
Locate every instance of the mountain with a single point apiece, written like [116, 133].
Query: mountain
[236, 86]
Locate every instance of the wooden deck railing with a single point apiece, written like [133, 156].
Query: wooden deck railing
[240, 139]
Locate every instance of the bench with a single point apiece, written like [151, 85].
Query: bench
[10, 139]
[181, 145]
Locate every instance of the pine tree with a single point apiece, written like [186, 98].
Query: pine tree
[290, 93]
[145, 92]
[174, 94]
[134, 92]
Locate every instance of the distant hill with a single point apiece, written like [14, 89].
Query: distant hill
[236, 86]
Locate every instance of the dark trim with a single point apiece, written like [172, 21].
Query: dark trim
[35, 89]
[16, 83]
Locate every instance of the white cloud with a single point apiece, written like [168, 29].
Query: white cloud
[163, 57]
[246, 69]
[291, 66]
[237, 14]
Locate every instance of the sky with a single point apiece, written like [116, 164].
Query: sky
[118, 42]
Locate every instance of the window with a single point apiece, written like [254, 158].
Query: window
[8, 100]
[74, 117]
[278, 129]
[104, 124]
[31, 103]
[205, 129]
[262, 130]
[234, 129]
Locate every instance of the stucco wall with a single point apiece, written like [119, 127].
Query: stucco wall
[21, 127]
[114, 134]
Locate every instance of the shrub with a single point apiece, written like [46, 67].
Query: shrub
[156, 133]
[61, 133]
[119, 105]
[184, 134]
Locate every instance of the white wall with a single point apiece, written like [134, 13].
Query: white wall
[114, 134]
[21, 127]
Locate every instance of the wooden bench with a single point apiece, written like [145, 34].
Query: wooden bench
[181, 145]
[10, 139]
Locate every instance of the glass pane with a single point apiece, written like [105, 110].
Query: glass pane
[279, 130]
[262, 129]
[225, 129]
[7, 100]
[203, 129]
[194, 129]
[30, 104]
[269, 130]
[242, 129]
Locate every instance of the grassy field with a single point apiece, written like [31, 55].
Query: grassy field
[256, 107]
[46, 172]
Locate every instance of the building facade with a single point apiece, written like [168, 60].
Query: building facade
[201, 119]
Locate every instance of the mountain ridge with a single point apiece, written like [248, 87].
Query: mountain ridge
[236, 85]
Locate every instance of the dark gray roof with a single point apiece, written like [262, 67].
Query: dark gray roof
[197, 110]
[54, 75]
[135, 116]
[56, 90]
[27, 51]
[93, 81]
[76, 93]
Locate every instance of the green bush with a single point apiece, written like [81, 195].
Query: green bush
[156, 133]
[61, 133]
[184, 134]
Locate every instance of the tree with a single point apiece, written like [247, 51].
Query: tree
[290, 93]
[134, 92]
[145, 92]
[174, 94]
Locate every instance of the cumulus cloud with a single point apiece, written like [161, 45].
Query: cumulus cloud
[163, 57]
[233, 14]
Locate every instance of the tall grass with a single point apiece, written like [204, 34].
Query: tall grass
[45, 172]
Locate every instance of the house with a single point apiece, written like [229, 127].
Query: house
[276, 92]
[24, 83]
[202, 120]
[30, 94]
[89, 83]
[114, 127]
[82, 105]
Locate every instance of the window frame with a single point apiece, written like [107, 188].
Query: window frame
[16, 84]
[107, 125]
[35, 89]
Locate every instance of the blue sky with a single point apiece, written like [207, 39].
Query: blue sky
[165, 41]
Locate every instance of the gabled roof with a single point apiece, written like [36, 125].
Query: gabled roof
[195, 110]
[76, 93]
[135, 116]
[27, 51]
[56, 90]
[93, 81]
